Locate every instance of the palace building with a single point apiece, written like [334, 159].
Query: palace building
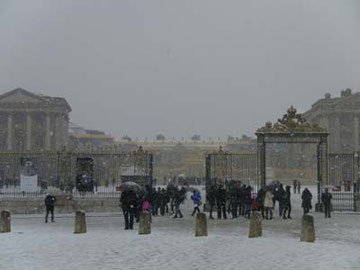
[340, 116]
[33, 122]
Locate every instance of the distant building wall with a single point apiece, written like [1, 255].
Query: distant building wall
[340, 116]
[32, 122]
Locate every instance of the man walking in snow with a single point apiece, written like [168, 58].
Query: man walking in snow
[50, 204]
[326, 199]
[221, 202]
[287, 203]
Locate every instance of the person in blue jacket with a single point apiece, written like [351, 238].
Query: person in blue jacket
[196, 198]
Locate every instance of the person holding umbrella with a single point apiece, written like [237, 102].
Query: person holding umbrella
[326, 199]
[130, 202]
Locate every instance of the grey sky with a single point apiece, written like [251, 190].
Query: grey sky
[141, 67]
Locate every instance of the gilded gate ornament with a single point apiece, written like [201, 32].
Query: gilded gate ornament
[220, 166]
[290, 122]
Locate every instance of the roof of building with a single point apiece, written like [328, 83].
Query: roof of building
[22, 96]
[346, 102]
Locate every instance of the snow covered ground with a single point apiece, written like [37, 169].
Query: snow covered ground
[172, 244]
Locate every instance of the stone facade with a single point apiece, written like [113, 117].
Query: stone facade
[340, 116]
[81, 138]
[32, 122]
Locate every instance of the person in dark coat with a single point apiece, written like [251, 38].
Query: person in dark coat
[247, 202]
[306, 198]
[221, 202]
[326, 199]
[171, 190]
[298, 187]
[162, 198]
[166, 200]
[287, 203]
[50, 204]
[234, 202]
[242, 192]
[129, 204]
[179, 199]
[295, 185]
[155, 202]
[280, 195]
[211, 199]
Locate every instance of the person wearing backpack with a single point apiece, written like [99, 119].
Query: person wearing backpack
[196, 198]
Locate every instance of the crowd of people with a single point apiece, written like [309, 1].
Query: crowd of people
[234, 199]
[155, 201]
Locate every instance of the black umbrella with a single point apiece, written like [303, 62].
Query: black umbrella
[131, 186]
[273, 185]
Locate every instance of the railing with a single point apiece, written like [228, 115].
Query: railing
[58, 172]
[343, 201]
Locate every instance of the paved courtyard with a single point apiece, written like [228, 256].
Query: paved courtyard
[172, 244]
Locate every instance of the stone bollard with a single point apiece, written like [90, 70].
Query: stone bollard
[80, 222]
[255, 229]
[201, 225]
[144, 224]
[307, 229]
[5, 226]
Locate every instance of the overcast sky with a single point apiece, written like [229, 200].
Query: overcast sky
[218, 68]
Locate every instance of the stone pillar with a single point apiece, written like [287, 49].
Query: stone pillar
[65, 128]
[47, 132]
[336, 137]
[356, 133]
[307, 229]
[80, 222]
[57, 132]
[5, 226]
[28, 131]
[9, 132]
[61, 131]
[201, 225]
[261, 155]
[144, 224]
[255, 229]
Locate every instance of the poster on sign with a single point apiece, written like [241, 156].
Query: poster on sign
[28, 175]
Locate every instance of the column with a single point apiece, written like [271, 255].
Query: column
[66, 129]
[336, 143]
[58, 131]
[47, 132]
[28, 132]
[9, 133]
[261, 147]
[356, 133]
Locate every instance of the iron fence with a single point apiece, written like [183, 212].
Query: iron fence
[343, 170]
[100, 177]
[222, 167]
[343, 201]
